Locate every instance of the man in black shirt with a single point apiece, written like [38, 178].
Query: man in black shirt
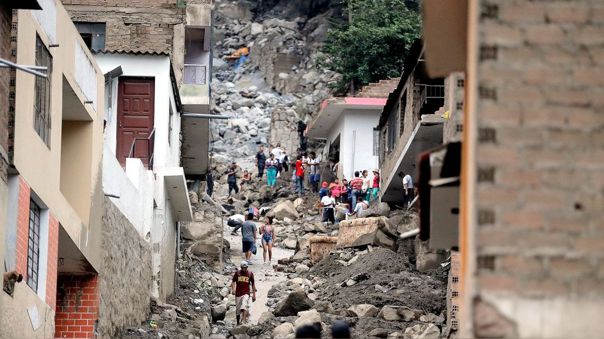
[260, 161]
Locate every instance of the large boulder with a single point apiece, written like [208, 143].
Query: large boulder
[290, 243]
[422, 331]
[367, 231]
[197, 230]
[283, 330]
[389, 313]
[295, 302]
[219, 312]
[363, 311]
[310, 317]
[408, 314]
[284, 209]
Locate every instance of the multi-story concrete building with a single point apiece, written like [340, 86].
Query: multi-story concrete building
[532, 192]
[156, 57]
[52, 226]
[421, 113]
[6, 14]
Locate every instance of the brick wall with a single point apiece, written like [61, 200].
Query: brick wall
[53, 253]
[77, 306]
[540, 149]
[144, 25]
[23, 227]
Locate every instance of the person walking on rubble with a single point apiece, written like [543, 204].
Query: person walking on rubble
[408, 188]
[232, 178]
[260, 161]
[299, 176]
[248, 236]
[356, 185]
[267, 233]
[272, 165]
[243, 279]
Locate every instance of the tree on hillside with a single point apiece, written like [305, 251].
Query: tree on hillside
[373, 43]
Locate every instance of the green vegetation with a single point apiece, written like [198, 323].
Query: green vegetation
[373, 43]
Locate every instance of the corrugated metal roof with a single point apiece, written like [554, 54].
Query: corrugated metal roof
[132, 51]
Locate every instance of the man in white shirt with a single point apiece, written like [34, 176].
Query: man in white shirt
[408, 188]
[314, 177]
[360, 207]
[328, 203]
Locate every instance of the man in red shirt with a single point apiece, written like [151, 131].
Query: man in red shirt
[241, 289]
[356, 185]
[299, 175]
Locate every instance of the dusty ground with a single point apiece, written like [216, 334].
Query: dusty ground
[405, 285]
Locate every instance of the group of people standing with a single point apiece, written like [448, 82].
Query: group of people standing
[356, 194]
[277, 162]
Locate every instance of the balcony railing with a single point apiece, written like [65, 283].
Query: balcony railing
[143, 149]
[195, 74]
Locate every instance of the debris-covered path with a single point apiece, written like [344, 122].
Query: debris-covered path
[264, 273]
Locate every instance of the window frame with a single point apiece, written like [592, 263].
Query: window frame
[33, 245]
[43, 93]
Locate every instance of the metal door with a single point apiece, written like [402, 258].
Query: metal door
[135, 109]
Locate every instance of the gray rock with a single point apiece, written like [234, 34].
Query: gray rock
[290, 243]
[284, 209]
[265, 317]
[193, 198]
[309, 317]
[169, 314]
[219, 312]
[301, 268]
[241, 329]
[383, 209]
[408, 314]
[295, 302]
[379, 332]
[283, 330]
[422, 331]
[203, 326]
[363, 311]
[197, 230]
[389, 313]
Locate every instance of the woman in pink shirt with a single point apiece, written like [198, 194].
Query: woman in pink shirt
[336, 189]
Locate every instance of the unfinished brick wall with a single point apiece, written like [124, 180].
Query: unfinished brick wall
[142, 25]
[540, 154]
[77, 306]
[53, 257]
[22, 227]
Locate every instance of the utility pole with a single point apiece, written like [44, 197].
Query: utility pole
[350, 9]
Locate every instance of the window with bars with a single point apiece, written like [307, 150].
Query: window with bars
[42, 121]
[402, 108]
[33, 245]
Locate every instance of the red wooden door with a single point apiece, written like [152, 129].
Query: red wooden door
[135, 109]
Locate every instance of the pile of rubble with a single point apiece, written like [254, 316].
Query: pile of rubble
[279, 86]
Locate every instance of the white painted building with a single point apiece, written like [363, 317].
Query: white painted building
[347, 125]
[142, 174]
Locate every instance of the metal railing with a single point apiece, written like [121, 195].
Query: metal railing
[150, 143]
[195, 74]
[432, 91]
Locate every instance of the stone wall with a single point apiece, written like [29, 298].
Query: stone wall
[125, 277]
[539, 164]
[146, 25]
